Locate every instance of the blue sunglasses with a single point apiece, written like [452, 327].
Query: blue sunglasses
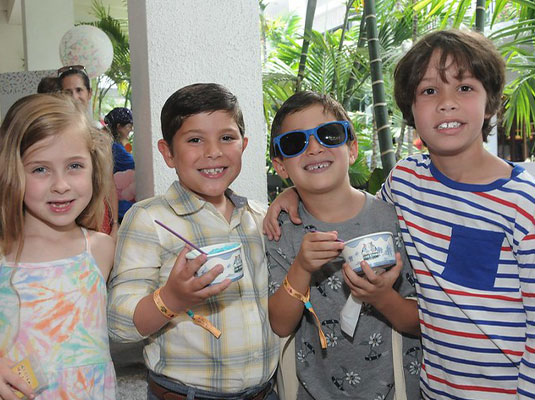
[293, 143]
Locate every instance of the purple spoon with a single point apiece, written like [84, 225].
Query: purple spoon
[181, 237]
[313, 229]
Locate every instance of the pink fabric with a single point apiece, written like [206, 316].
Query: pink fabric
[125, 183]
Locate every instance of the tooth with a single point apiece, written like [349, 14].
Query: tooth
[318, 166]
[60, 205]
[212, 171]
[449, 125]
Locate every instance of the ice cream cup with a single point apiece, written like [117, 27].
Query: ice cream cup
[377, 249]
[226, 254]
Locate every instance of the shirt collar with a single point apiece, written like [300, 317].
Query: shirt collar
[184, 201]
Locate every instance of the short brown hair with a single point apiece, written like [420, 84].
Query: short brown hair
[195, 99]
[301, 100]
[470, 51]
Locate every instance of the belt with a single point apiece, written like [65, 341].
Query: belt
[163, 393]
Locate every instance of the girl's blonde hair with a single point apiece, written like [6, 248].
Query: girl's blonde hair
[28, 121]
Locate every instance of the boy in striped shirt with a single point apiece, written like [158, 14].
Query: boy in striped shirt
[468, 224]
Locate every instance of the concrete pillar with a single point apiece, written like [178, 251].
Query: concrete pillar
[176, 43]
[44, 24]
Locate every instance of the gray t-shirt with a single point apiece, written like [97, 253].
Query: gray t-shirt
[358, 368]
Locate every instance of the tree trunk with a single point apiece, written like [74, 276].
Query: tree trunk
[356, 65]
[401, 139]
[309, 21]
[410, 139]
[340, 45]
[379, 101]
[480, 16]
[375, 149]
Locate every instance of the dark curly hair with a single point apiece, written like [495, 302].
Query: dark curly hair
[118, 116]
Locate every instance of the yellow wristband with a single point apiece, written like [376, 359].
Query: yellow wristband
[305, 298]
[204, 323]
[167, 313]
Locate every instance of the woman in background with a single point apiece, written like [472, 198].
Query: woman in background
[74, 81]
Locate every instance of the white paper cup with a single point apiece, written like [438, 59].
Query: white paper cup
[377, 249]
[226, 254]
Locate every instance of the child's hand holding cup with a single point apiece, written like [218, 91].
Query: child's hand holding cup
[226, 254]
[377, 249]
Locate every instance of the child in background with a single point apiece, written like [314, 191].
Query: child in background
[154, 294]
[313, 144]
[468, 223]
[53, 264]
[49, 84]
[119, 122]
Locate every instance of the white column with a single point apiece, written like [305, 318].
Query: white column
[177, 43]
[44, 24]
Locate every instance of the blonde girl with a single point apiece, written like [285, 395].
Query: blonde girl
[53, 262]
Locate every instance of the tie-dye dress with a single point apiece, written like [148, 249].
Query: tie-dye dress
[56, 312]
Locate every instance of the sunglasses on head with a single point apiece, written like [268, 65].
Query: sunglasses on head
[294, 143]
[67, 68]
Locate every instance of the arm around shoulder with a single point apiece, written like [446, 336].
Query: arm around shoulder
[287, 201]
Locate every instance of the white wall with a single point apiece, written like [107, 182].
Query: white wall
[44, 24]
[11, 46]
[174, 44]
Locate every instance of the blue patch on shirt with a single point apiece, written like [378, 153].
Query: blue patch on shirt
[473, 257]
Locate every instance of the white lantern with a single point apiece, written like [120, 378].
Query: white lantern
[88, 46]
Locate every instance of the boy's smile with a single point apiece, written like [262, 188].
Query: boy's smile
[318, 169]
[206, 154]
[449, 114]
[317, 166]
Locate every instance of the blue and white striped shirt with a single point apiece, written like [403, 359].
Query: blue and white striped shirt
[472, 248]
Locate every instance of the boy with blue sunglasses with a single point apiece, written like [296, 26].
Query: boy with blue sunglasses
[313, 144]
[330, 134]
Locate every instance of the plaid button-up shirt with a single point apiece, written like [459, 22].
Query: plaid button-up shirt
[246, 354]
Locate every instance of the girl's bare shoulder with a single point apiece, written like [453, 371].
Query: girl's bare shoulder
[102, 247]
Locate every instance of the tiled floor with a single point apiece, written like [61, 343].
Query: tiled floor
[130, 370]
